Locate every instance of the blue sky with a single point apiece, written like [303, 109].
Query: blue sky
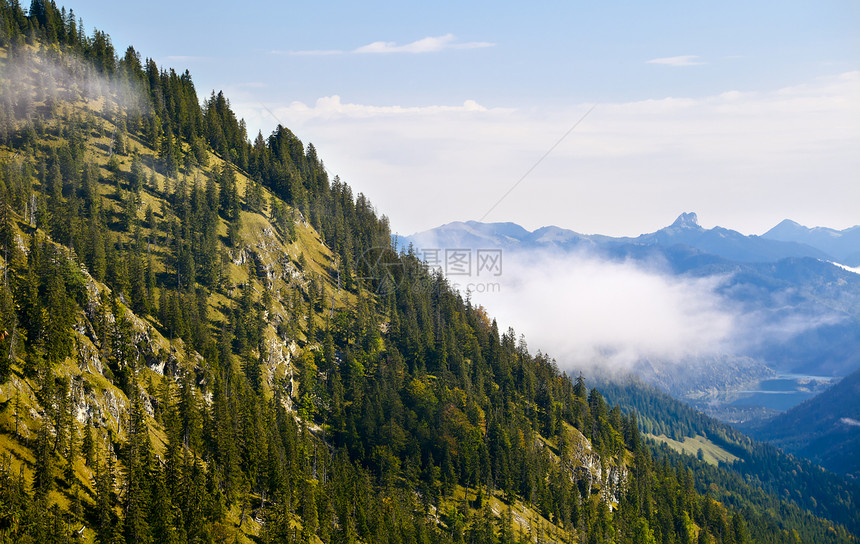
[746, 113]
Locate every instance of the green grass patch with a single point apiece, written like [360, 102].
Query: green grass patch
[711, 453]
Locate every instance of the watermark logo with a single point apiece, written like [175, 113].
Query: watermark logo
[462, 261]
[489, 262]
[386, 272]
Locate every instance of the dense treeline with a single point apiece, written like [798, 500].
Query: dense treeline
[793, 479]
[160, 107]
[414, 419]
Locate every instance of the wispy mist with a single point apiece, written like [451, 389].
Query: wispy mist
[589, 312]
[586, 311]
[46, 76]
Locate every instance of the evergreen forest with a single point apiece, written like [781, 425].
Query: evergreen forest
[205, 337]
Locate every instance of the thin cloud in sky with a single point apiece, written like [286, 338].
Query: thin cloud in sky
[430, 44]
[682, 60]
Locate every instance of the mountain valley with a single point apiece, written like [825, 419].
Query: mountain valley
[803, 307]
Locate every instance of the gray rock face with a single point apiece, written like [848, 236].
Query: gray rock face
[605, 476]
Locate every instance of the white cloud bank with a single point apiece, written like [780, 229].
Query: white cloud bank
[585, 311]
[744, 160]
[333, 107]
[592, 313]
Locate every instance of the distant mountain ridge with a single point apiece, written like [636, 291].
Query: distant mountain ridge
[727, 243]
[781, 242]
[844, 245]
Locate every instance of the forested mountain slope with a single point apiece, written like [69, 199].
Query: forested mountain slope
[205, 339]
[825, 428]
[782, 475]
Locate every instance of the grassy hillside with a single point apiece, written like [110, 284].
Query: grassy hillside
[710, 452]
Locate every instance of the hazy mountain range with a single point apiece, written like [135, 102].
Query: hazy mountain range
[843, 245]
[788, 239]
[795, 312]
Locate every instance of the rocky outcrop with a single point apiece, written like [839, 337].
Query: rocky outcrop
[607, 476]
[614, 484]
[278, 368]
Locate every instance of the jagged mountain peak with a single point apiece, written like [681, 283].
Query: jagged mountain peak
[788, 223]
[687, 220]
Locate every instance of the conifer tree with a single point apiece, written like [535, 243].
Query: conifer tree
[160, 518]
[44, 470]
